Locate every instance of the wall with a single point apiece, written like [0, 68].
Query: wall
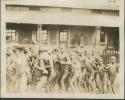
[53, 32]
[88, 35]
[75, 33]
[28, 32]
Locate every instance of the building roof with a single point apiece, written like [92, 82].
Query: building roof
[35, 17]
[86, 4]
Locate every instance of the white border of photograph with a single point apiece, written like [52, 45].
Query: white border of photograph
[74, 95]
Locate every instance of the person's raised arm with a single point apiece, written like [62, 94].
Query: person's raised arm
[68, 61]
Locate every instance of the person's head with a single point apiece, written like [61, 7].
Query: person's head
[40, 62]
[61, 50]
[49, 52]
[24, 50]
[93, 52]
[8, 52]
[45, 55]
[113, 59]
[17, 50]
[55, 50]
[86, 53]
[88, 56]
[81, 47]
[101, 61]
[41, 52]
[72, 55]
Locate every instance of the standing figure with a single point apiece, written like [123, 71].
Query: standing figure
[90, 73]
[65, 64]
[100, 76]
[20, 78]
[113, 70]
[48, 64]
[10, 71]
[74, 82]
[40, 76]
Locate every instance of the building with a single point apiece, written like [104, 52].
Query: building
[66, 23]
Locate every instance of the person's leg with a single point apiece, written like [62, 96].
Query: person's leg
[62, 81]
[84, 80]
[87, 82]
[17, 83]
[23, 83]
[97, 82]
[60, 74]
[105, 83]
[112, 84]
[80, 83]
[66, 82]
[90, 83]
[116, 84]
[49, 89]
[109, 87]
[12, 83]
[71, 85]
[52, 80]
[102, 84]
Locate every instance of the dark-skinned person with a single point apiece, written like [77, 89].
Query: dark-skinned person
[113, 70]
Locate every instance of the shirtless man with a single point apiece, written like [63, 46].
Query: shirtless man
[40, 76]
[48, 64]
[9, 68]
[19, 80]
[76, 67]
[89, 73]
[100, 76]
[65, 64]
[113, 70]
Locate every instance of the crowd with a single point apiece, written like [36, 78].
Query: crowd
[60, 70]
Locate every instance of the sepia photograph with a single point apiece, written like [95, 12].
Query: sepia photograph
[62, 48]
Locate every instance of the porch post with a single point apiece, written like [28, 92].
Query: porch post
[38, 33]
[106, 38]
[48, 35]
[57, 36]
[68, 37]
[97, 36]
[17, 36]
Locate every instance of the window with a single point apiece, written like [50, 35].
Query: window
[11, 35]
[44, 35]
[63, 36]
[102, 36]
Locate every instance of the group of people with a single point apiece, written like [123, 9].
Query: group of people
[60, 70]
